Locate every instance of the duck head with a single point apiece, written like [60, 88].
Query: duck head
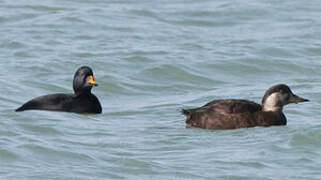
[278, 96]
[83, 80]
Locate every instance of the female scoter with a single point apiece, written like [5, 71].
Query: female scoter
[82, 101]
[239, 113]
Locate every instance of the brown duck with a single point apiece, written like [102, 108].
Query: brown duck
[240, 113]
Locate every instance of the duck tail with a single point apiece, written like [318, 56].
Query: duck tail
[19, 109]
[186, 112]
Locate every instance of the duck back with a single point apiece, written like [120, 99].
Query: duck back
[84, 103]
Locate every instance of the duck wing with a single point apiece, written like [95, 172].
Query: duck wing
[221, 114]
[232, 106]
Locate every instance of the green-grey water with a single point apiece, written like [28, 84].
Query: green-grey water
[152, 58]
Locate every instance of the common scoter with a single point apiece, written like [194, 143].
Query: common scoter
[240, 113]
[82, 101]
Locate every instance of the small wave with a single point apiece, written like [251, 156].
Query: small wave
[307, 139]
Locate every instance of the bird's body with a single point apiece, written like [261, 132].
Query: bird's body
[64, 102]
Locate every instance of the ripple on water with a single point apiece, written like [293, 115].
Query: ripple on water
[8, 155]
[54, 153]
[13, 45]
[306, 138]
[150, 59]
[163, 74]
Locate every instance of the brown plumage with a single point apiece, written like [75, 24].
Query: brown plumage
[239, 113]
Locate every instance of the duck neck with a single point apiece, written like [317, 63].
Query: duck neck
[271, 116]
[267, 107]
[272, 103]
[83, 92]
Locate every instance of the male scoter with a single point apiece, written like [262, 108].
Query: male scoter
[82, 101]
[239, 113]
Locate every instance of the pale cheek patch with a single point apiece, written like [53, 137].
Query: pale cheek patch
[271, 103]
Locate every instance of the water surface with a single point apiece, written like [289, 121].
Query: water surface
[152, 58]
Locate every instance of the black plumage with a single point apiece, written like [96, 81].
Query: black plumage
[82, 101]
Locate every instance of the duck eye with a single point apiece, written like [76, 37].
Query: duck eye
[281, 91]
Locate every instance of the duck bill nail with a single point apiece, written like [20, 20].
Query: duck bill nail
[92, 81]
[298, 99]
